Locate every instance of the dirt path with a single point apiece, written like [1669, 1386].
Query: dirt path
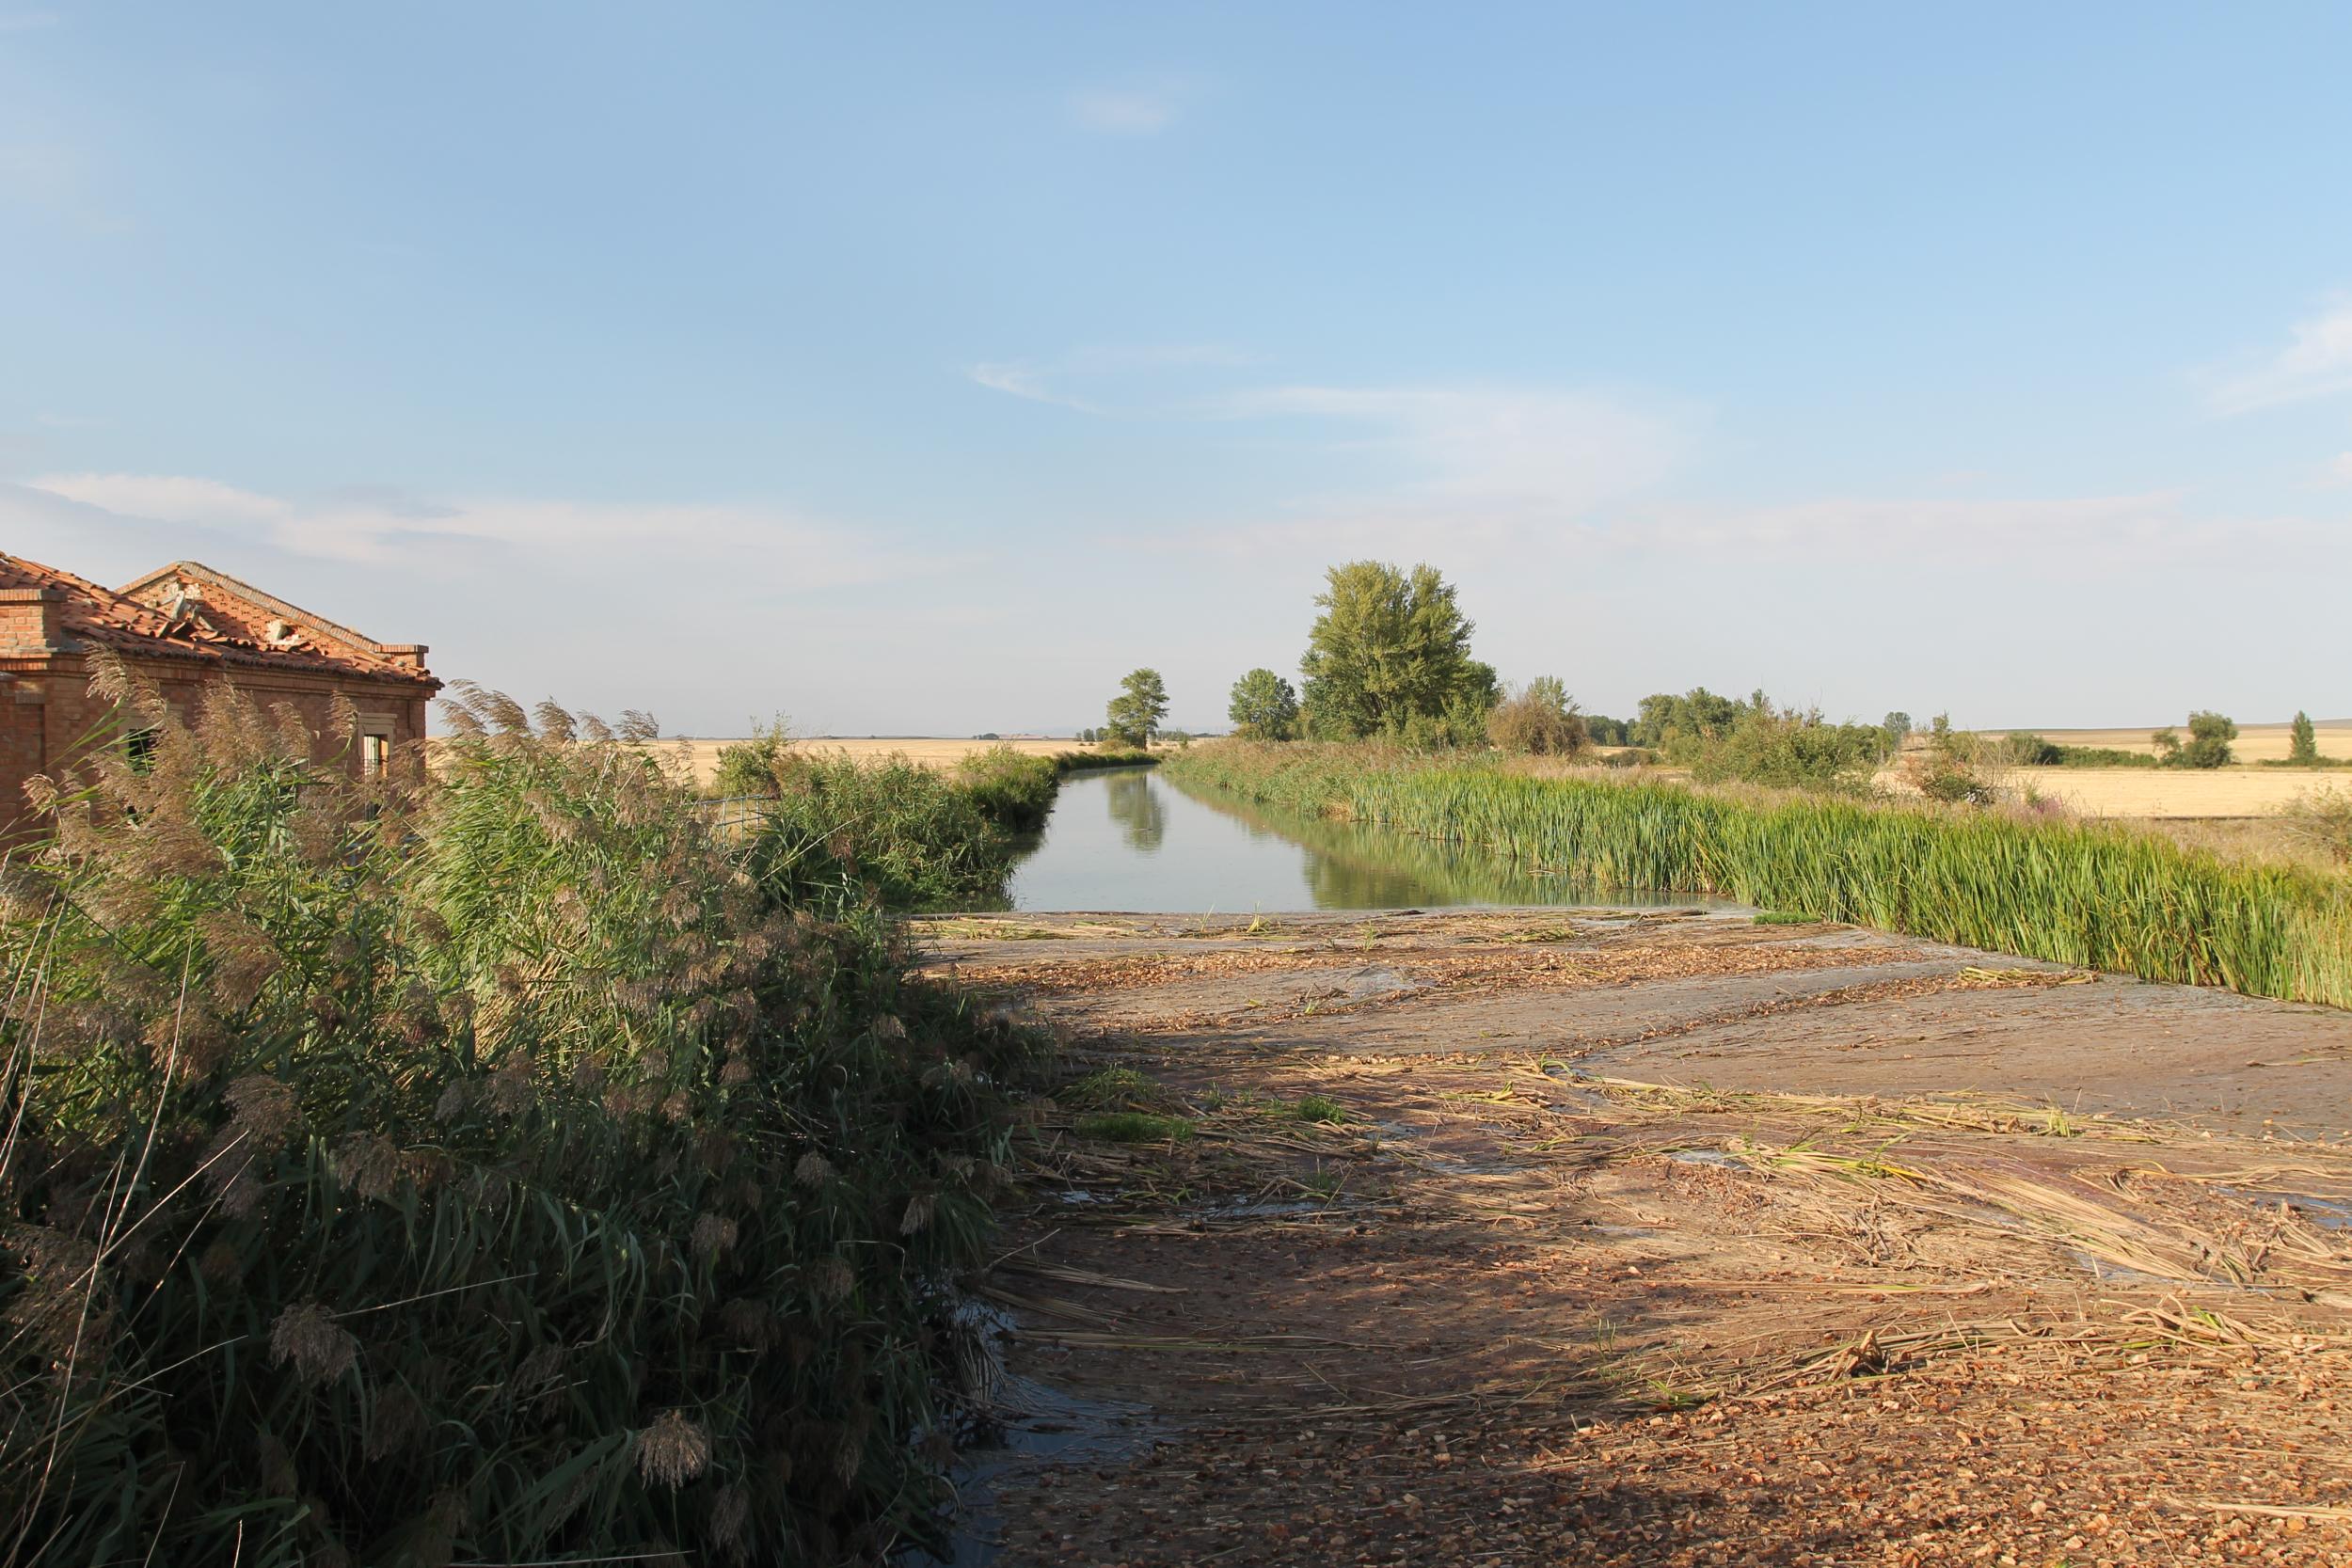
[1526, 1239]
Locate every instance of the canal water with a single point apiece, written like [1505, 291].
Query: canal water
[1130, 839]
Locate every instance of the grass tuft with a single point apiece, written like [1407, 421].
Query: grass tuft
[1133, 1126]
[1117, 1089]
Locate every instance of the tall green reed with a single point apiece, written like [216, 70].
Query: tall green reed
[2092, 894]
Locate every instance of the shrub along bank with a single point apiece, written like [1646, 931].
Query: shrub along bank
[486, 1170]
[907, 837]
[2086, 893]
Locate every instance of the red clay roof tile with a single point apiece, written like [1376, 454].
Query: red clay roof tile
[92, 613]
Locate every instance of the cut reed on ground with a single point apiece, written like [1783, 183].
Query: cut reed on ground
[2075, 893]
[491, 1168]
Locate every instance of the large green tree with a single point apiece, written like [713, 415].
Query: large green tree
[2208, 745]
[1698, 714]
[1265, 707]
[1136, 711]
[1390, 655]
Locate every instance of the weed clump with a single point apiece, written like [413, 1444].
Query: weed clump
[2322, 819]
[1319, 1109]
[1539, 719]
[1958, 768]
[1117, 1089]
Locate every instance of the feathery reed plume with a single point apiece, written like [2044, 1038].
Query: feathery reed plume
[307, 1336]
[555, 723]
[673, 1452]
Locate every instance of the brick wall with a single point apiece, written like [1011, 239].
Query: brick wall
[28, 620]
[24, 743]
[47, 715]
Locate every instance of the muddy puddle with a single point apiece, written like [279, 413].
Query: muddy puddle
[1029, 1426]
[2327, 1213]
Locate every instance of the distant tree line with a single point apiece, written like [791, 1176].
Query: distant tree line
[1389, 659]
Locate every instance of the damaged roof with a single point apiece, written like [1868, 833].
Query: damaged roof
[234, 626]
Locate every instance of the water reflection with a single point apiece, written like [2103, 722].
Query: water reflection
[1134, 804]
[1146, 845]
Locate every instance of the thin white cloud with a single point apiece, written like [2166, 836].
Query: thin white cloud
[1095, 366]
[2316, 363]
[1471, 477]
[1129, 111]
[387, 528]
[703, 614]
[1107, 358]
[2340, 470]
[1026, 381]
[2025, 534]
[1543, 451]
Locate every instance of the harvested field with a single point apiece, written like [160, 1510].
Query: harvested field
[1511, 1238]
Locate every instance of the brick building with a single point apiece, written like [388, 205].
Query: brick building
[181, 627]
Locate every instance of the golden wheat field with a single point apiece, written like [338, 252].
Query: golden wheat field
[2254, 742]
[2175, 792]
[700, 756]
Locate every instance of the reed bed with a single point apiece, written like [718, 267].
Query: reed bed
[477, 1170]
[2085, 893]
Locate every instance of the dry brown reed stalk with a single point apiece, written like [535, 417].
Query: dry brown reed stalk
[2069, 1211]
[2267, 1511]
[1984, 1114]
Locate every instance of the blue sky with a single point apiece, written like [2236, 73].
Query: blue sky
[921, 370]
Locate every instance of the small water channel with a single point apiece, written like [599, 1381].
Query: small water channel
[1130, 839]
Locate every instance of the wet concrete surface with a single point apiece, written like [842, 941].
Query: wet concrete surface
[2113, 1045]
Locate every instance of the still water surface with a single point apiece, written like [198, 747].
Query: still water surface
[1129, 839]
